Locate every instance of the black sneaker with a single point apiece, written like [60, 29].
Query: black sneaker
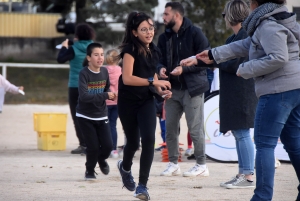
[141, 192]
[90, 175]
[160, 148]
[104, 167]
[78, 150]
[127, 178]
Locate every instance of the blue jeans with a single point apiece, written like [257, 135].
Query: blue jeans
[162, 124]
[245, 150]
[277, 115]
[112, 117]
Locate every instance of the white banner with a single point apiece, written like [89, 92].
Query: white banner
[221, 146]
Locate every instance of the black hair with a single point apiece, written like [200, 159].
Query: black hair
[84, 32]
[89, 51]
[133, 21]
[260, 2]
[176, 6]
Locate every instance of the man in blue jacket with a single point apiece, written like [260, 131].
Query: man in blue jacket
[182, 40]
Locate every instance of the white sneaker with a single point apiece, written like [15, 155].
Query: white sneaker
[172, 170]
[114, 154]
[189, 152]
[197, 170]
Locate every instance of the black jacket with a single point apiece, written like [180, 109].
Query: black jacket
[237, 95]
[189, 41]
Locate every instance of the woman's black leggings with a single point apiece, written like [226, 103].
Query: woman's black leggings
[138, 119]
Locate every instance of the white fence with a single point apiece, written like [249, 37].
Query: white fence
[28, 65]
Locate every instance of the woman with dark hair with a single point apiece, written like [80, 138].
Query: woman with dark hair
[136, 104]
[75, 54]
[273, 49]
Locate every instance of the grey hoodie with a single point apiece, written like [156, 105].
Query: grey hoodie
[273, 54]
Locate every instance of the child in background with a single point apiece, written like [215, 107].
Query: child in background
[6, 86]
[93, 88]
[114, 71]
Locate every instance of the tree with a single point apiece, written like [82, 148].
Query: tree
[207, 15]
[117, 12]
[63, 7]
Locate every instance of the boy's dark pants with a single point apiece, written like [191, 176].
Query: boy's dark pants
[98, 141]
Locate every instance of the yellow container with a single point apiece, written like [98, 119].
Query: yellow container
[52, 141]
[49, 122]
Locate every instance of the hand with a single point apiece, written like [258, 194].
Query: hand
[203, 56]
[188, 62]
[177, 70]
[21, 88]
[162, 84]
[166, 94]
[162, 73]
[111, 95]
[65, 43]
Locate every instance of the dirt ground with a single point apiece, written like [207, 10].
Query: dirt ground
[31, 174]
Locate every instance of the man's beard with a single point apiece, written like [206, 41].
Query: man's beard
[171, 24]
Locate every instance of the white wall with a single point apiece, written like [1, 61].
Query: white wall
[292, 3]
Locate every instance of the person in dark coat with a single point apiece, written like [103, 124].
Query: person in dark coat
[237, 99]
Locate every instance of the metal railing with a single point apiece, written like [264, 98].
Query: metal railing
[29, 65]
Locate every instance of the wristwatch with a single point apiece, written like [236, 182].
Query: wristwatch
[150, 80]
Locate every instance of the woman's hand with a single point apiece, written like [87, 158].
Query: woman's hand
[162, 83]
[203, 56]
[189, 61]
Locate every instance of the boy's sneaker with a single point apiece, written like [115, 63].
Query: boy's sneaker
[114, 154]
[233, 179]
[241, 182]
[127, 178]
[104, 167]
[90, 175]
[141, 192]
[172, 170]
[189, 152]
[78, 150]
[197, 170]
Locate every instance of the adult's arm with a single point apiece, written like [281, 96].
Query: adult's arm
[201, 43]
[162, 56]
[231, 51]
[65, 54]
[273, 39]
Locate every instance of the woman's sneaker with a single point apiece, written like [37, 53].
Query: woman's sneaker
[141, 192]
[241, 182]
[233, 179]
[127, 178]
[114, 154]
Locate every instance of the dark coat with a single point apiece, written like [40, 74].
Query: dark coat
[237, 95]
[189, 41]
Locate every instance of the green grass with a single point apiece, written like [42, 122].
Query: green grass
[42, 86]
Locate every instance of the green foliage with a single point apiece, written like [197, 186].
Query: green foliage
[41, 86]
[207, 15]
[118, 11]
